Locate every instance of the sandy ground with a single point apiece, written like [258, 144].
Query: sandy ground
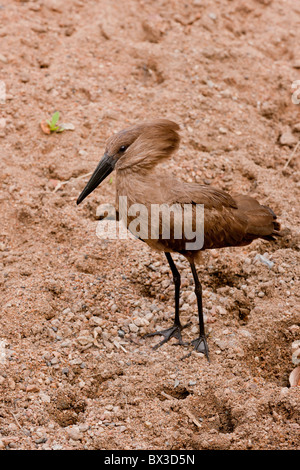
[75, 372]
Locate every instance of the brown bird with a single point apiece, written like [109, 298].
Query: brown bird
[229, 220]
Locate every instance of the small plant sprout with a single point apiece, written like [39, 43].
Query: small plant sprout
[51, 125]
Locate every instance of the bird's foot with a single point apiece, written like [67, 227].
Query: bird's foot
[173, 332]
[201, 346]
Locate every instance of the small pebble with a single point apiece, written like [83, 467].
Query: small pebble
[287, 138]
[212, 16]
[264, 260]
[74, 433]
[296, 357]
[192, 382]
[133, 328]
[32, 388]
[41, 440]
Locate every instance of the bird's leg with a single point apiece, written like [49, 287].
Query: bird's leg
[175, 330]
[200, 343]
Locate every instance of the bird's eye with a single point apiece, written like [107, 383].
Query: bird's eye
[123, 148]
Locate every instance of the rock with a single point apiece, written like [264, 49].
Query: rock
[41, 440]
[221, 344]
[96, 321]
[85, 338]
[296, 344]
[191, 298]
[288, 138]
[152, 31]
[70, 30]
[221, 310]
[55, 5]
[192, 382]
[34, 6]
[268, 109]
[32, 388]
[212, 16]
[263, 259]
[296, 127]
[24, 77]
[54, 361]
[138, 321]
[294, 377]
[76, 362]
[296, 64]
[122, 428]
[11, 384]
[38, 28]
[83, 427]
[296, 357]
[44, 397]
[74, 433]
[67, 126]
[133, 328]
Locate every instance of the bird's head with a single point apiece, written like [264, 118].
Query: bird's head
[138, 147]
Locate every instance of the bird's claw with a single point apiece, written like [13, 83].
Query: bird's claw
[200, 345]
[173, 332]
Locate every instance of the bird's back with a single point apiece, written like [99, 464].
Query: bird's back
[229, 220]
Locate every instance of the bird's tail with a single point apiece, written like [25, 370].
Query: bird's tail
[277, 227]
[261, 220]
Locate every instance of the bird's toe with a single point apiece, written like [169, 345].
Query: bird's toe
[200, 345]
[173, 332]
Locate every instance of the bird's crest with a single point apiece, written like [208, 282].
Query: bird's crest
[144, 145]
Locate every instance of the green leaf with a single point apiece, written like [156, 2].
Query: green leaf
[55, 118]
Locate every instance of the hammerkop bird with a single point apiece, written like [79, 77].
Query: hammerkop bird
[229, 220]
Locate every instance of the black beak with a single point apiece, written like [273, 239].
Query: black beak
[104, 168]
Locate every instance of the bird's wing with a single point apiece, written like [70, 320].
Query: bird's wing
[222, 225]
[209, 196]
[228, 220]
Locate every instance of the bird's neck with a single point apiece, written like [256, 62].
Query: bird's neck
[138, 187]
